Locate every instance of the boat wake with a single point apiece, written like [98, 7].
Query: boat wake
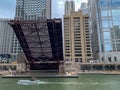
[29, 82]
[35, 82]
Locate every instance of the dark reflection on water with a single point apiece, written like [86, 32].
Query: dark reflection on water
[84, 82]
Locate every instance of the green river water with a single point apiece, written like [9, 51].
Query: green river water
[84, 82]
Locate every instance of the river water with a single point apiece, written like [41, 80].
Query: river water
[84, 82]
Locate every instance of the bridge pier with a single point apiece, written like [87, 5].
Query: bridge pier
[116, 67]
[103, 67]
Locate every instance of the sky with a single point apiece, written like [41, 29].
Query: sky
[7, 8]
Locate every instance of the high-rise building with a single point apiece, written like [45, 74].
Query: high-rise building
[15, 47]
[69, 7]
[84, 5]
[33, 9]
[105, 28]
[29, 10]
[7, 47]
[77, 47]
[84, 8]
[115, 33]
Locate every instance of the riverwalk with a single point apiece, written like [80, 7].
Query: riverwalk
[99, 72]
[40, 74]
[58, 75]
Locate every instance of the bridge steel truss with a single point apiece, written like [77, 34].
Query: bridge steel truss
[41, 41]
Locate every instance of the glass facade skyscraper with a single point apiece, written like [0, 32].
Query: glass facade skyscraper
[9, 47]
[5, 36]
[29, 10]
[105, 29]
[33, 9]
[84, 8]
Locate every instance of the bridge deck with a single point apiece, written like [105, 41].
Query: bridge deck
[41, 40]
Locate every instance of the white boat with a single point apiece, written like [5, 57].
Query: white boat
[29, 82]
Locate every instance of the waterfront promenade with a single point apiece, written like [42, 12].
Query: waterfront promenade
[40, 74]
[114, 72]
[84, 68]
[58, 75]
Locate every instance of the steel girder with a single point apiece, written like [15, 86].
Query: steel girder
[41, 41]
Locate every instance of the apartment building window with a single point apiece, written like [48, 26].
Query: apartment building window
[67, 46]
[87, 42]
[87, 37]
[88, 48]
[102, 58]
[76, 18]
[76, 32]
[77, 45]
[88, 45]
[67, 49]
[81, 60]
[78, 54]
[77, 51]
[77, 42]
[88, 51]
[88, 54]
[67, 43]
[67, 55]
[76, 37]
[109, 59]
[77, 48]
[76, 59]
[115, 59]
[77, 28]
[87, 32]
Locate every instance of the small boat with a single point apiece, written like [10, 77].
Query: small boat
[29, 82]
